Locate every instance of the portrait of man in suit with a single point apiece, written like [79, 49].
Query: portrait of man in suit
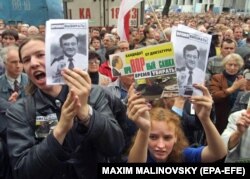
[70, 58]
[117, 65]
[191, 73]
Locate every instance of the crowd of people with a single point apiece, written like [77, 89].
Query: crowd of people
[64, 131]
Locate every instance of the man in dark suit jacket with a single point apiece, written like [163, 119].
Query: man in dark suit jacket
[191, 72]
[70, 58]
[13, 81]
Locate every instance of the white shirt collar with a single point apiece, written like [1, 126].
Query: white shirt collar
[12, 80]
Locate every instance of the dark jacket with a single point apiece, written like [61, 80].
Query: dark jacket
[82, 149]
[192, 126]
[5, 169]
[241, 101]
[129, 128]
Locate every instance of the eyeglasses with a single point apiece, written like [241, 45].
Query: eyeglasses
[97, 62]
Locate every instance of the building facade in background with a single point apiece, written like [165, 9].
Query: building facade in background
[197, 6]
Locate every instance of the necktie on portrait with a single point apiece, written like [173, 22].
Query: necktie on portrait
[71, 64]
[190, 80]
[16, 86]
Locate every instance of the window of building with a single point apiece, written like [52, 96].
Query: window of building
[187, 2]
[180, 2]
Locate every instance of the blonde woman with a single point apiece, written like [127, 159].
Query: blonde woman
[160, 137]
[224, 88]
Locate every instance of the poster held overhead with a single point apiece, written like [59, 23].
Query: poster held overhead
[191, 55]
[66, 46]
[153, 68]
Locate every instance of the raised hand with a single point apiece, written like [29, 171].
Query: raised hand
[243, 122]
[202, 104]
[68, 112]
[240, 83]
[138, 109]
[80, 82]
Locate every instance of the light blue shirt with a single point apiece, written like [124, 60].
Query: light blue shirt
[179, 111]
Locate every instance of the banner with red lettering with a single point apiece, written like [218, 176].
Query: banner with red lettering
[123, 18]
[153, 68]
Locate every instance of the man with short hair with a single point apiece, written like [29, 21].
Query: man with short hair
[95, 32]
[9, 37]
[71, 57]
[123, 45]
[13, 82]
[12, 85]
[191, 72]
[108, 42]
[238, 36]
[214, 65]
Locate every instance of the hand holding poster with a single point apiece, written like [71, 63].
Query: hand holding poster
[66, 47]
[191, 54]
[153, 68]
